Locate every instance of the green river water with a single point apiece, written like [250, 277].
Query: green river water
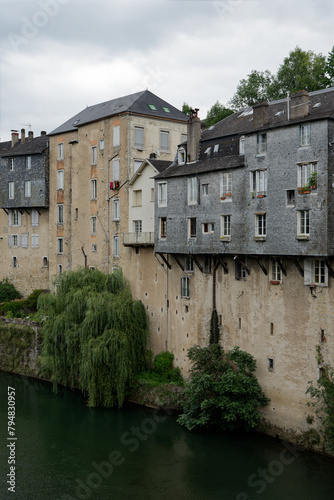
[64, 450]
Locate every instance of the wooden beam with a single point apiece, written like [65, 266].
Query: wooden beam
[329, 267]
[224, 265]
[298, 266]
[178, 261]
[243, 265]
[197, 263]
[5, 210]
[280, 265]
[261, 265]
[165, 260]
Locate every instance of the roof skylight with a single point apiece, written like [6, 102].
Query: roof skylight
[166, 110]
[317, 105]
[153, 107]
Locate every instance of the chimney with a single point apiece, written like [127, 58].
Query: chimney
[300, 104]
[193, 135]
[15, 137]
[23, 136]
[43, 132]
[153, 155]
[260, 114]
[30, 135]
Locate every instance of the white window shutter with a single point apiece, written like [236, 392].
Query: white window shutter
[18, 240]
[326, 276]
[9, 240]
[308, 268]
[9, 219]
[19, 218]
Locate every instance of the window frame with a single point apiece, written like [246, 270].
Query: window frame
[138, 223]
[162, 228]
[28, 162]
[93, 224]
[226, 186]
[11, 190]
[139, 139]
[93, 157]
[162, 194]
[261, 225]
[304, 138]
[60, 245]
[116, 209]
[116, 246]
[259, 182]
[185, 287]
[189, 264]
[27, 189]
[192, 185]
[11, 164]
[60, 213]
[275, 271]
[261, 145]
[163, 147]
[60, 179]
[192, 228]
[304, 172]
[303, 223]
[34, 241]
[60, 151]
[225, 226]
[115, 169]
[93, 189]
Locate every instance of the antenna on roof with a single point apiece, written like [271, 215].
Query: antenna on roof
[27, 125]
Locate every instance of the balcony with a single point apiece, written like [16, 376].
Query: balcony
[138, 239]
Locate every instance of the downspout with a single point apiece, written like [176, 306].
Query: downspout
[288, 104]
[167, 306]
[214, 285]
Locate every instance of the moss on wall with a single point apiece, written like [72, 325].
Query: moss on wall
[18, 348]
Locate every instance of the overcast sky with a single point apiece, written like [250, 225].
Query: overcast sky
[58, 56]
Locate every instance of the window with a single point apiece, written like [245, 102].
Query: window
[116, 136]
[24, 240]
[11, 190]
[163, 227]
[11, 164]
[205, 189]
[60, 151]
[116, 246]
[138, 164]
[208, 227]
[116, 209]
[192, 227]
[27, 189]
[164, 140]
[15, 240]
[183, 137]
[60, 245]
[216, 148]
[305, 134]
[153, 108]
[225, 231]
[192, 190]
[261, 144]
[139, 137]
[185, 287]
[45, 262]
[240, 270]
[94, 247]
[76, 214]
[303, 223]
[166, 110]
[226, 185]
[162, 194]
[101, 144]
[189, 264]
[276, 273]
[115, 168]
[93, 189]
[14, 261]
[137, 198]
[181, 156]
[242, 145]
[152, 194]
[60, 269]
[60, 214]
[270, 364]
[207, 264]
[34, 217]
[260, 225]
[305, 173]
[94, 155]
[315, 272]
[290, 198]
[137, 225]
[258, 182]
[93, 224]
[16, 219]
[28, 162]
[34, 240]
[60, 179]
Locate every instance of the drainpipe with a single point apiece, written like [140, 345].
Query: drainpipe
[214, 285]
[167, 306]
[288, 104]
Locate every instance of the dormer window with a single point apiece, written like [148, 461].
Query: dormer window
[216, 148]
[181, 156]
[207, 151]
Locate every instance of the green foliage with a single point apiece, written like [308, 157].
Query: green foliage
[258, 86]
[16, 341]
[94, 336]
[216, 113]
[186, 108]
[330, 67]
[19, 308]
[223, 391]
[8, 291]
[31, 301]
[163, 367]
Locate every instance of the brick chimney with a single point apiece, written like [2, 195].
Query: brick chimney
[193, 135]
[300, 104]
[23, 136]
[260, 114]
[43, 132]
[30, 135]
[15, 137]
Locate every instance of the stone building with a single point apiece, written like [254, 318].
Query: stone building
[92, 158]
[24, 215]
[244, 225]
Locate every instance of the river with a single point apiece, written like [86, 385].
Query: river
[64, 451]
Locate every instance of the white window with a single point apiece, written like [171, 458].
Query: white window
[162, 227]
[216, 148]
[14, 218]
[183, 137]
[185, 292]
[60, 214]
[225, 228]
[93, 189]
[27, 189]
[162, 194]
[60, 151]
[306, 173]
[116, 136]
[260, 225]
[137, 164]
[205, 189]
[137, 198]
[94, 247]
[137, 226]
[94, 155]
[28, 162]
[115, 168]
[181, 156]
[24, 240]
[226, 186]
[242, 145]
[15, 240]
[208, 227]
[116, 246]
[192, 190]
[164, 140]
[11, 190]
[258, 182]
[303, 223]
[276, 273]
[101, 144]
[93, 224]
[34, 217]
[60, 245]
[116, 209]
[11, 164]
[60, 179]
[34, 240]
[261, 144]
[192, 227]
[305, 134]
[315, 272]
[189, 264]
[139, 137]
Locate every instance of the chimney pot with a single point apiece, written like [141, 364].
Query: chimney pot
[30, 135]
[153, 155]
[15, 137]
[43, 132]
[23, 136]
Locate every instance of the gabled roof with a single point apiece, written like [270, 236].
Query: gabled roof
[142, 103]
[158, 165]
[29, 147]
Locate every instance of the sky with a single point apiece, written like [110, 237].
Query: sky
[59, 56]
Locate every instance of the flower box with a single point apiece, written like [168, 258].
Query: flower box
[274, 282]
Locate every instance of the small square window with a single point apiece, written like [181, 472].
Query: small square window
[270, 364]
[205, 189]
[153, 107]
[290, 198]
[163, 227]
[208, 227]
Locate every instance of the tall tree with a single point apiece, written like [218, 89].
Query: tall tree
[258, 86]
[186, 108]
[330, 66]
[216, 113]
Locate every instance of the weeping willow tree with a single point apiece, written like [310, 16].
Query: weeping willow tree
[94, 336]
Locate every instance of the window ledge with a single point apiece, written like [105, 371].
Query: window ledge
[303, 238]
[225, 238]
[260, 238]
[275, 282]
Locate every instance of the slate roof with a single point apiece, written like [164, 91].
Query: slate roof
[160, 165]
[138, 103]
[208, 165]
[33, 146]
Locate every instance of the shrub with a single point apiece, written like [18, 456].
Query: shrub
[163, 366]
[8, 291]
